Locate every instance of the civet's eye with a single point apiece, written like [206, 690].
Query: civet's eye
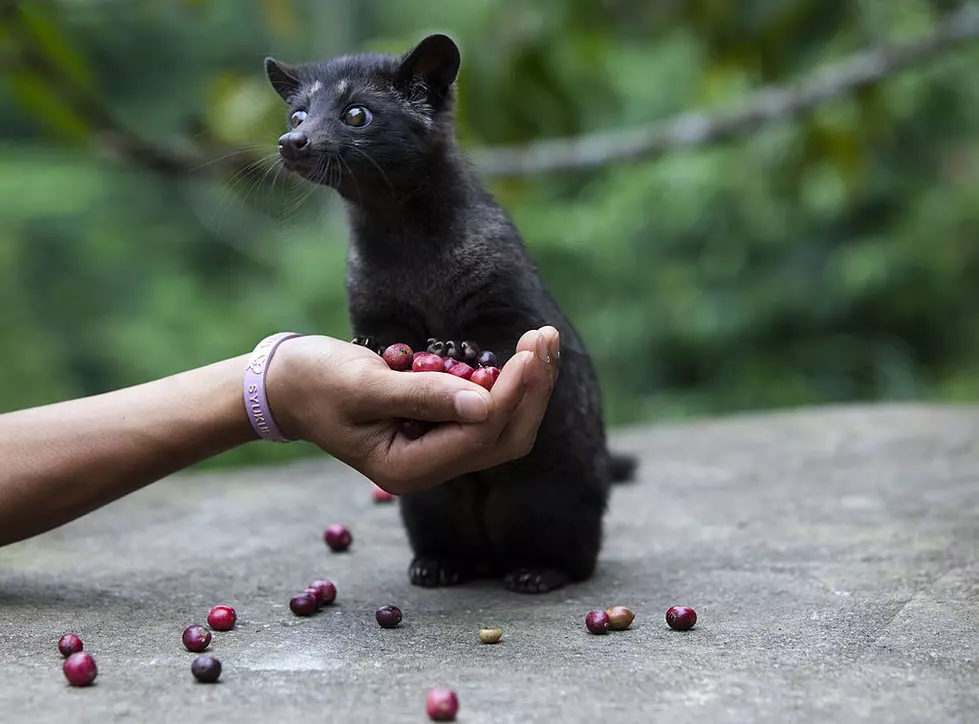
[357, 116]
[296, 118]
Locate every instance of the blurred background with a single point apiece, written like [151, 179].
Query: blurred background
[757, 255]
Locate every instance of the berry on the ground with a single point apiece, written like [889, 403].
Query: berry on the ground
[317, 595]
[303, 604]
[398, 356]
[388, 616]
[620, 618]
[69, 644]
[442, 704]
[428, 363]
[222, 618]
[380, 495]
[327, 590]
[196, 638]
[338, 537]
[490, 635]
[597, 622]
[681, 618]
[485, 377]
[80, 669]
[206, 669]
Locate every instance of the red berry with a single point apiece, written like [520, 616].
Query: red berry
[681, 618]
[597, 622]
[328, 591]
[317, 595]
[303, 604]
[428, 363]
[447, 364]
[222, 618]
[442, 704]
[338, 537]
[418, 354]
[206, 669]
[461, 369]
[196, 638]
[388, 616]
[80, 669]
[485, 377]
[486, 359]
[380, 495]
[398, 356]
[69, 644]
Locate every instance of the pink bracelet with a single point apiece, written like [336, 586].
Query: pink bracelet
[256, 402]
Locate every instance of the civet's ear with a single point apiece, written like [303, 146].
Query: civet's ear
[435, 61]
[283, 77]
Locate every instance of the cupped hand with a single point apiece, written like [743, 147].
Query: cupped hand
[344, 398]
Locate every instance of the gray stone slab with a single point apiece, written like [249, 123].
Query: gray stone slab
[831, 555]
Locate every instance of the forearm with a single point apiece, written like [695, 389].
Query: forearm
[61, 461]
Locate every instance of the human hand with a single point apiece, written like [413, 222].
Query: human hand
[344, 398]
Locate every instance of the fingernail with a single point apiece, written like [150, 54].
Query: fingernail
[470, 406]
[542, 349]
[555, 346]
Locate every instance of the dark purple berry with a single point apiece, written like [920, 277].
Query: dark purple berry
[222, 618]
[681, 618]
[328, 591]
[469, 352]
[303, 604]
[388, 616]
[398, 356]
[206, 669]
[597, 622]
[80, 669]
[414, 429]
[461, 369]
[338, 537]
[196, 638]
[442, 704]
[317, 595]
[69, 644]
[485, 377]
[486, 359]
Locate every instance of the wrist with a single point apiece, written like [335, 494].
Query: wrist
[284, 389]
[255, 388]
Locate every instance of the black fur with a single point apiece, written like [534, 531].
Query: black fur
[432, 255]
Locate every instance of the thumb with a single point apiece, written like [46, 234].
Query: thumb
[431, 396]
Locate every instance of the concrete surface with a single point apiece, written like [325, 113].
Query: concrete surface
[831, 555]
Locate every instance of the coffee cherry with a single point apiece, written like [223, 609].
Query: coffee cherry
[80, 669]
[436, 347]
[681, 618]
[620, 618]
[486, 359]
[380, 495]
[416, 355]
[490, 635]
[597, 622]
[303, 604]
[485, 377]
[442, 704]
[398, 356]
[428, 363]
[69, 644]
[222, 618]
[196, 638]
[317, 595]
[469, 352]
[328, 591]
[206, 669]
[447, 364]
[338, 537]
[414, 429]
[388, 616]
[461, 369]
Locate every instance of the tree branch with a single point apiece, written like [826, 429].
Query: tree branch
[773, 103]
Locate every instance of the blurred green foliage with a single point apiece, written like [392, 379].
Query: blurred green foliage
[829, 258]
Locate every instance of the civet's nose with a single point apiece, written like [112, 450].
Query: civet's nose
[293, 145]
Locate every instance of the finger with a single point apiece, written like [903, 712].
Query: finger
[450, 450]
[520, 433]
[431, 396]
